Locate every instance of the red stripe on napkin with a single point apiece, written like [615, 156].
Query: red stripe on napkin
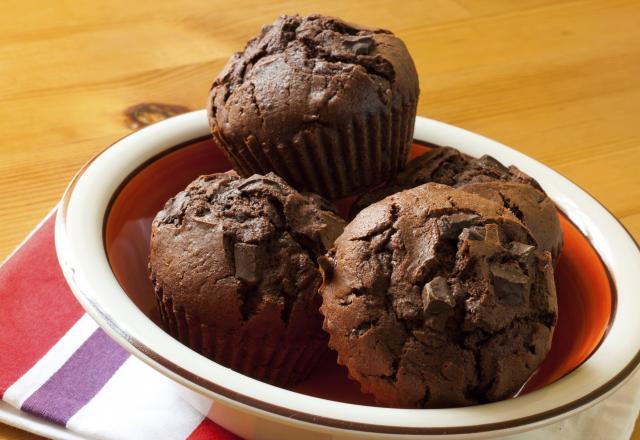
[37, 308]
[207, 430]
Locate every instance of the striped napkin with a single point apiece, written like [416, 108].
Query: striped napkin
[57, 366]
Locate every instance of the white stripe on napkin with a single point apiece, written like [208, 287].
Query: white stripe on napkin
[137, 403]
[51, 362]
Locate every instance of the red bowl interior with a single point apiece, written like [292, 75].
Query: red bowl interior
[585, 294]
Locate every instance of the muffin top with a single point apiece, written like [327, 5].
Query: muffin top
[487, 177]
[437, 297]
[447, 166]
[310, 70]
[243, 252]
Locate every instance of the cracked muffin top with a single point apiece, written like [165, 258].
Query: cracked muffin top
[307, 92]
[435, 297]
[304, 70]
[487, 177]
[447, 166]
[242, 253]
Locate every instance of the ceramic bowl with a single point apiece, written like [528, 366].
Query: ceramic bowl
[102, 240]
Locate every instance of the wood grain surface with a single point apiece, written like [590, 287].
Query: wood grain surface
[558, 80]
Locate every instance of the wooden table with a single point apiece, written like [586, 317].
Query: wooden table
[558, 80]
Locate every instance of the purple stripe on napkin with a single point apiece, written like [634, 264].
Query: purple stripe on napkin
[78, 380]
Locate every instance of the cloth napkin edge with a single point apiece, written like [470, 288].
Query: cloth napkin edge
[28, 237]
[15, 418]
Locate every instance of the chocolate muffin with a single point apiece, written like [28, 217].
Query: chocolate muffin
[484, 176]
[234, 266]
[329, 106]
[435, 297]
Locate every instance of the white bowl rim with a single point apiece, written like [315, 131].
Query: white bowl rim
[82, 255]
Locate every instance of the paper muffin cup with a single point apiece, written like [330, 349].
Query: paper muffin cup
[267, 356]
[335, 162]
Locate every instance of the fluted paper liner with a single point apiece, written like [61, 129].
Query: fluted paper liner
[267, 357]
[335, 162]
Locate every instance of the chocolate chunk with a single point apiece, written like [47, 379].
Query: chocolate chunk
[510, 284]
[248, 262]
[257, 181]
[451, 225]
[360, 45]
[520, 249]
[436, 296]
[423, 254]
[492, 162]
[489, 246]
[472, 233]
